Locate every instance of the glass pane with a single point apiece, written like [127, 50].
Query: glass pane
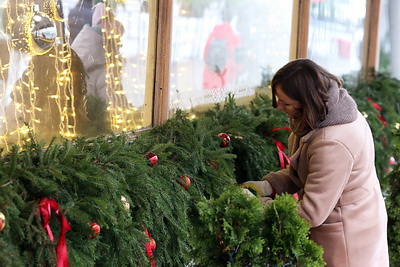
[336, 34]
[73, 67]
[389, 26]
[225, 47]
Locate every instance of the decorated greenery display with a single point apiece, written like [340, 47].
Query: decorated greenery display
[235, 230]
[128, 200]
[108, 203]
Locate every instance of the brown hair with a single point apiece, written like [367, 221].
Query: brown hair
[305, 81]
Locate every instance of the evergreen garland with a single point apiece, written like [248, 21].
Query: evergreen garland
[88, 178]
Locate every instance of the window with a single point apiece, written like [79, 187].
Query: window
[74, 67]
[389, 36]
[336, 33]
[225, 47]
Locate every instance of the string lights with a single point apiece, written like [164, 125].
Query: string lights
[46, 99]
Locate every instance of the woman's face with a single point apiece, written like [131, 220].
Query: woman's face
[291, 107]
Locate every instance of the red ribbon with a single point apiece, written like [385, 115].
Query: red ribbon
[379, 109]
[150, 247]
[284, 160]
[45, 209]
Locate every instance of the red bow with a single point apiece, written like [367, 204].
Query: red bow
[283, 158]
[45, 208]
[150, 247]
[379, 109]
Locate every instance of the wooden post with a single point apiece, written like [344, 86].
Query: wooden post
[301, 20]
[370, 56]
[163, 55]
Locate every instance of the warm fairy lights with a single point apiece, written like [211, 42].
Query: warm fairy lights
[47, 107]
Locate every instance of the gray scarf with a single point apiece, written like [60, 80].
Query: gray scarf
[341, 109]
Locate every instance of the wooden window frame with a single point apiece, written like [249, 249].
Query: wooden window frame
[160, 43]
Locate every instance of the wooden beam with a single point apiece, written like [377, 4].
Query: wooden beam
[370, 58]
[163, 55]
[303, 21]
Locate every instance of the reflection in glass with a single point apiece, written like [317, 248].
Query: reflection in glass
[111, 39]
[336, 33]
[222, 47]
[45, 85]
[389, 26]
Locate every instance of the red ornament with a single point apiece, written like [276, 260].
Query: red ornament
[225, 140]
[96, 229]
[213, 164]
[2, 221]
[152, 157]
[185, 182]
[392, 160]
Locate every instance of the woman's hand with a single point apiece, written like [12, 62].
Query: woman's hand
[259, 188]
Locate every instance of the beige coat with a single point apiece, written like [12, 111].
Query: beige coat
[333, 170]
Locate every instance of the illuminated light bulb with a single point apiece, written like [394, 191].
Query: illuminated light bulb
[38, 109]
[120, 121]
[139, 127]
[193, 116]
[124, 129]
[127, 111]
[54, 96]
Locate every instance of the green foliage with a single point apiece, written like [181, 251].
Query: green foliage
[229, 230]
[235, 230]
[393, 207]
[88, 178]
[287, 239]
[250, 130]
[379, 101]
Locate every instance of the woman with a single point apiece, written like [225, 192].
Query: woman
[332, 167]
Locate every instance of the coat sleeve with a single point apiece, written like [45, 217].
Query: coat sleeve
[282, 182]
[330, 164]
